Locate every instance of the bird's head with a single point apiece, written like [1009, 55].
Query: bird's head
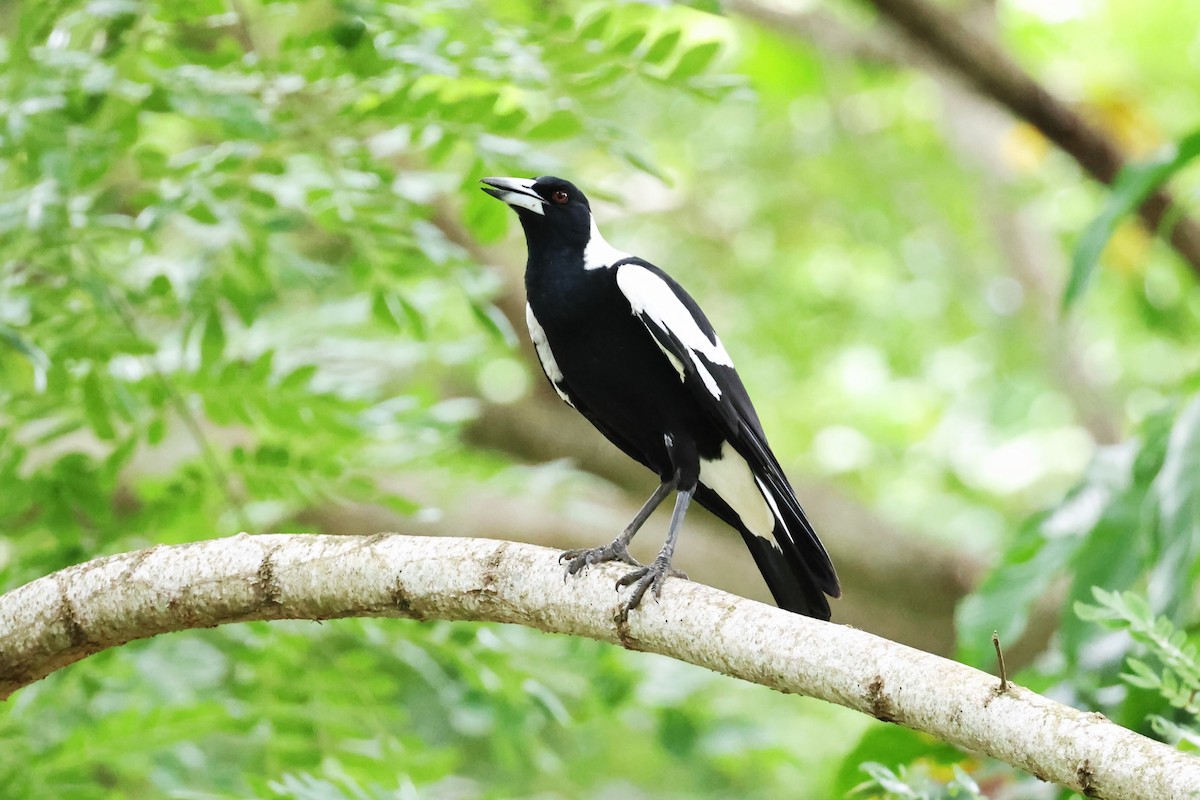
[551, 210]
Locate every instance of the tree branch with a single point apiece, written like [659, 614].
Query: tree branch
[66, 616]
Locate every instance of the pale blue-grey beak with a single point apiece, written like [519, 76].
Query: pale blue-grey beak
[517, 192]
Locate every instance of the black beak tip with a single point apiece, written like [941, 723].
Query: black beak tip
[490, 188]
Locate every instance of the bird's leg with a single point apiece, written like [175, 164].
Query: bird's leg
[653, 575]
[618, 549]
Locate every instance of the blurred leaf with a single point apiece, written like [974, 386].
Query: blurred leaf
[203, 212]
[298, 378]
[212, 340]
[494, 322]
[32, 353]
[561, 124]
[594, 28]
[629, 42]
[1177, 492]
[644, 164]
[95, 406]
[381, 309]
[348, 32]
[891, 746]
[416, 320]
[1132, 186]
[695, 60]
[662, 47]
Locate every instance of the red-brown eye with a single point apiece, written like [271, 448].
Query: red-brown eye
[560, 197]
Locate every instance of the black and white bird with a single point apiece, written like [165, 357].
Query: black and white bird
[631, 351]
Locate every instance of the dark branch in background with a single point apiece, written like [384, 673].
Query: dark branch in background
[983, 65]
[936, 38]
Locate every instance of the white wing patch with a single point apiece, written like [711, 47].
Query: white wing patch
[709, 381]
[731, 478]
[599, 254]
[649, 295]
[538, 334]
[770, 498]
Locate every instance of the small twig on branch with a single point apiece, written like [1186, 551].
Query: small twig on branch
[64, 617]
[1000, 662]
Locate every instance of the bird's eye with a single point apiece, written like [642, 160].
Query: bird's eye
[560, 197]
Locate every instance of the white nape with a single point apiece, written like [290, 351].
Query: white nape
[599, 254]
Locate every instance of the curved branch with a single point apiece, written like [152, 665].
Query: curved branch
[66, 616]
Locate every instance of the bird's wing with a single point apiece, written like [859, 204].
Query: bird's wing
[692, 347]
[541, 346]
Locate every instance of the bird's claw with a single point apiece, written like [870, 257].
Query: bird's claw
[648, 578]
[582, 558]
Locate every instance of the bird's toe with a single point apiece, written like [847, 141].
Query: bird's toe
[630, 578]
[582, 558]
[647, 579]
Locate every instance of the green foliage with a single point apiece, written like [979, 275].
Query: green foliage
[242, 276]
[1175, 673]
[216, 227]
[1134, 518]
[307, 710]
[885, 784]
[1132, 186]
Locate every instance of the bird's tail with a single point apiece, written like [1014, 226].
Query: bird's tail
[796, 566]
[794, 592]
[796, 584]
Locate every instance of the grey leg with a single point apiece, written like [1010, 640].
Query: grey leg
[618, 549]
[653, 575]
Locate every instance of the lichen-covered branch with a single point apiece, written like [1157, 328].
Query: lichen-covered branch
[64, 617]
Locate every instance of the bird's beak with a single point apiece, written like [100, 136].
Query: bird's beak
[517, 192]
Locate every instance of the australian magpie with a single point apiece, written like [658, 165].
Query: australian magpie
[631, 351]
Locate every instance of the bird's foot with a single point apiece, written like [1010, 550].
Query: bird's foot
[648, 578]
[581, 559]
